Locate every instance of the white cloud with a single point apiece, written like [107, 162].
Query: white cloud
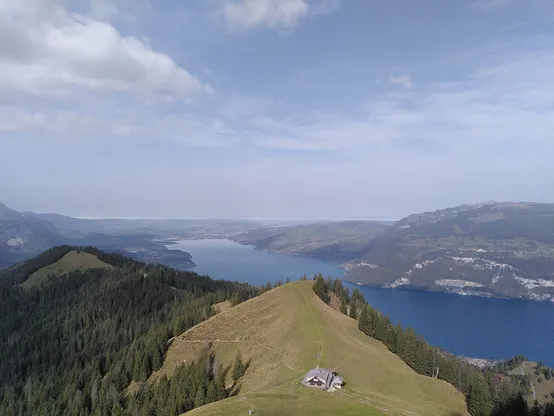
[504, 106]
[46, 50]
[140, 124]
[401, 80]
[282, 15]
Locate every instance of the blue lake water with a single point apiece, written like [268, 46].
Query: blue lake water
[224, 259]
[466, 325]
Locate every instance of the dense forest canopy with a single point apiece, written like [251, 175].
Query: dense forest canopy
[73, 345]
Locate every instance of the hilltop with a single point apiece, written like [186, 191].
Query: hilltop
[491, 249]
[288, 330]
[74, 260]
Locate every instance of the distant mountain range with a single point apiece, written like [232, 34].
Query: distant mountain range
[491, 249]
[23, 235]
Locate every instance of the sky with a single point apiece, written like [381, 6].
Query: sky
[274, 108]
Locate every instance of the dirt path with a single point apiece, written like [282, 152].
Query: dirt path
[530, 382]
[314, 320]
[198, 341]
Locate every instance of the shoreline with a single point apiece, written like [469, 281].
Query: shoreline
[343, 266]
[454, 291]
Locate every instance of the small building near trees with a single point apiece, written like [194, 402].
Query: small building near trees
[323, 379]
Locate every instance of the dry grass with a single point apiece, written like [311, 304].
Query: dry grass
[289, 330]
[72, 261]
[222, 306]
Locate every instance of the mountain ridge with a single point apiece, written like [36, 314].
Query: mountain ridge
[495, 249]
[288, 330]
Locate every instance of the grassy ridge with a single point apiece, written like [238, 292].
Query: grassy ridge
[289, 330]
[72, 261]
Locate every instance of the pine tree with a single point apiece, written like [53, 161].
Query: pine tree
[343, 306]
[211, 393]
[363, 320]
[320, 288]
[479, 399]
[238, 368]
[337, 287]
[199, 399]
[353, 313]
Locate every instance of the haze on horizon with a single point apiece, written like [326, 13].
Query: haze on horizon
[274, 108]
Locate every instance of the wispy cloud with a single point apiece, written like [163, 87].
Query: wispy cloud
[505, 105]
[281, 15]
[401, 80]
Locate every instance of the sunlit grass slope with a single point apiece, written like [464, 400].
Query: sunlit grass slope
[287, 331]
[72, 261]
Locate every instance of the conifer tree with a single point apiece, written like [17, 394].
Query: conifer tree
[363, 320]
[320, 288]
[238, 367]
[343, 307]
[211, 393]
[479, 400]
[199, 399]
[353, 313]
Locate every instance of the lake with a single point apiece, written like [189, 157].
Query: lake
[225, 259]
[464, 325]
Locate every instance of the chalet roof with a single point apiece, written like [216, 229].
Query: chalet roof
[320, 373]
[324, 377]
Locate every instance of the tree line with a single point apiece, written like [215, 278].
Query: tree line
[489, 391]
[74, 345]
[190, 386]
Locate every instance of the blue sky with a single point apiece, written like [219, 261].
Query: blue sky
[274, 108]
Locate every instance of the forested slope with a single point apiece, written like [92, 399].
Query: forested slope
[73, 346]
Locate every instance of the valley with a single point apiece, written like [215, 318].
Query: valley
[501, 250]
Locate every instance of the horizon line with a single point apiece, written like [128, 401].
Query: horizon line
[243, 218]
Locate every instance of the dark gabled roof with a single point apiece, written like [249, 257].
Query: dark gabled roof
[320, 373]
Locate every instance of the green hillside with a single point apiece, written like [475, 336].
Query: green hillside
[71, 262]
[74, 347]
[289, 330]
